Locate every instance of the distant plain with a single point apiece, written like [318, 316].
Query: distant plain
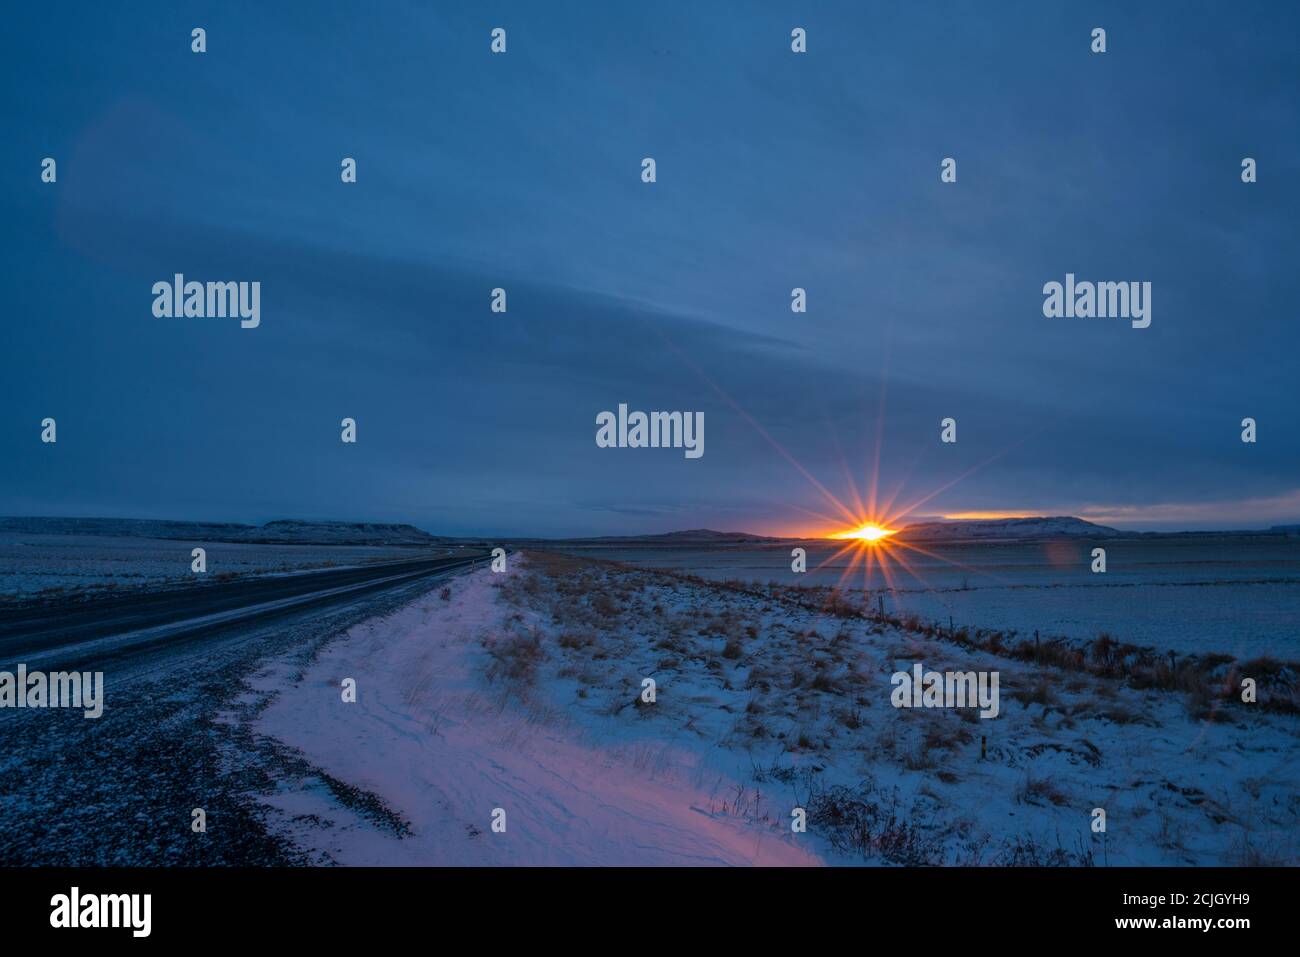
[1232, 593]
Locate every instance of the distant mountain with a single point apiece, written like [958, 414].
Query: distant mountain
[285, 531]
[1061, 526]
[708, 535]
[695, 536]
[343, 533]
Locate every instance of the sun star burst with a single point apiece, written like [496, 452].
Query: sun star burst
[869, 532]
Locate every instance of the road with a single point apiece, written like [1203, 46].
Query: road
[119, 789]
[111, 628]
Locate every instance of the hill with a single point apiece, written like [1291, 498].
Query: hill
[285, 531]
[1061, 526]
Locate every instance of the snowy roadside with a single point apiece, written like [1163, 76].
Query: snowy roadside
[440, 751]
[523, 692]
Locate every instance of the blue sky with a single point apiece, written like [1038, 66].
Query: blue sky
[775, 170]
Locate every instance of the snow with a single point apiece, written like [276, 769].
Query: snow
[1040, 527]
[1238, 594]
[795, 713]
[36, 565]
[283, 531]
[427, 738]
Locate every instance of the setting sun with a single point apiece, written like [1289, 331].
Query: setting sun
[867, 533]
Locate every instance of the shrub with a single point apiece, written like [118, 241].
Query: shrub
[576, 639]
[1040, 790]
[515, 657]
[1024, 852]
[864, 822]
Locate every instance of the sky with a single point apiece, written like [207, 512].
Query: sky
[774, 170]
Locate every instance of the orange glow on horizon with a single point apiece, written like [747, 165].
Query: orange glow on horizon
[869, 532]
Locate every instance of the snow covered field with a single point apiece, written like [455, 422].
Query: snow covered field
[1237, 594]
[40, 565]
[522, 692]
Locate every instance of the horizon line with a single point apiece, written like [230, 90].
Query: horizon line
[953, 519]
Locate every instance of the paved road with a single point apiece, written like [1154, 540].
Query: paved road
[75, 633]
[119, 789]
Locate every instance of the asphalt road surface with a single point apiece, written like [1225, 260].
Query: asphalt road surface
[100, 629]
[175, 732]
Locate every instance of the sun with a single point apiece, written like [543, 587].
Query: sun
[867, 533]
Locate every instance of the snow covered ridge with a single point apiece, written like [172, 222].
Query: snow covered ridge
[687, 537]
[1006, 528]
[283, 532]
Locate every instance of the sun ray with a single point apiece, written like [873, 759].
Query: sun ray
[869, 537]
[880, 434]
[867, 532]
[912, 546]
[911, 570]
[826, 493]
